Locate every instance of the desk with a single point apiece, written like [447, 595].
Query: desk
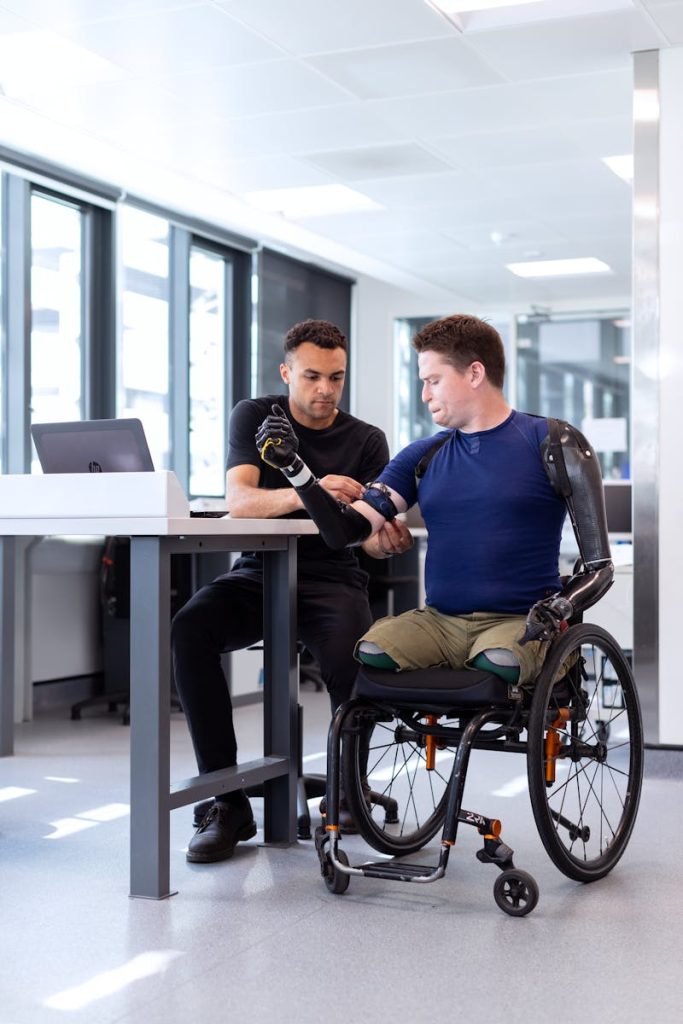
[153, 540]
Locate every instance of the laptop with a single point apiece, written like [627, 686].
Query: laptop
[92, 446]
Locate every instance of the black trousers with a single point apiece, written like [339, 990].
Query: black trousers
[227, 615]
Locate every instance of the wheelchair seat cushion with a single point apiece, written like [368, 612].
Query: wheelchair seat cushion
[438, 687]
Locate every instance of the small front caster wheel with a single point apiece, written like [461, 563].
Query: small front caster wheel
[515, 892]
[336, 881]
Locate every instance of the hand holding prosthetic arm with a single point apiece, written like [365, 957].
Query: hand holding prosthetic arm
[340, 525]
[574, 472]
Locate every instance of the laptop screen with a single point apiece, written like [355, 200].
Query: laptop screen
[92, 446]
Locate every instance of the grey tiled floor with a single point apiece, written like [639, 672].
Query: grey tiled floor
[259, 938]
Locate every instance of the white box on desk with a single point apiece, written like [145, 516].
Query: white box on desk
[92, 495]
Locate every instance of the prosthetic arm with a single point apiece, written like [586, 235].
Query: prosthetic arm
[340, 525]
[574, 473]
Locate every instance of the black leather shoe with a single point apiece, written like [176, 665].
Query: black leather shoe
[201, 810]
[223, 827]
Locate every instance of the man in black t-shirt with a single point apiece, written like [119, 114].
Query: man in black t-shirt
[332, 603]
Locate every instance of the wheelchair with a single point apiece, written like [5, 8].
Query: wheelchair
[403, 743]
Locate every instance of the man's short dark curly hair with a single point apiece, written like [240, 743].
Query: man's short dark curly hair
[462, 340]
[318, 332]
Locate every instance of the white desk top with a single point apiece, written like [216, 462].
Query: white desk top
[118, 504]
[154, 526]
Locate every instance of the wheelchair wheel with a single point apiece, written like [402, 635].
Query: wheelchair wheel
[399, 803]
[336, 881]
[515, 892]
[585, 753]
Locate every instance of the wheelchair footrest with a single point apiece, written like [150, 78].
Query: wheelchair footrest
[401, 872]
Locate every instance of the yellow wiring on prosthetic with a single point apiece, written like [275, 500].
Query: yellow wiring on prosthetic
[271, 440]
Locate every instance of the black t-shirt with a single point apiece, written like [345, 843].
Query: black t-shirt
[349, 447]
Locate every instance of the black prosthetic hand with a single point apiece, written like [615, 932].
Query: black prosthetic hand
[547, 618]
[340, 525]
[276, 441]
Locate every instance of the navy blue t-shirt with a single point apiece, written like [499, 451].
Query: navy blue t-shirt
[493, 519]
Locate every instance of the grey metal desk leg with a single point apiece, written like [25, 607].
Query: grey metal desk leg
[149, 717]
[7, 645]
[281, 685]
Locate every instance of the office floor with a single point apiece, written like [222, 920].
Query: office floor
[259, 938]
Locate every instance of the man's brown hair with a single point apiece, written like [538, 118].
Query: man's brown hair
[462, 340]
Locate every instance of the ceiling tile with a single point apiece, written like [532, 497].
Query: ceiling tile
[177, 42]
[413, 249]
[605, 137]
[517, 105]
[256, 89]
[612, 225]
[459, 189]
[509, 234]
[574, 186]
[10, 22]
[259, 173]
[66, 14]
[307, 26]
[498, 149]
[405, 70]
[669, 19]
[343, 126]
[568, 47]
[378, 161]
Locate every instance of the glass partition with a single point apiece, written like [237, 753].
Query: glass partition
[57, 304]
[143, 355]
[207, 352]
[578, 368]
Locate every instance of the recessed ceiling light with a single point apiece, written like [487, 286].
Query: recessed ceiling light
[621, 165]
[467, 6]
[560, 268]
[313, 201]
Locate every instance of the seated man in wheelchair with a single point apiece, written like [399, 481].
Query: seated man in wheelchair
[493, 487]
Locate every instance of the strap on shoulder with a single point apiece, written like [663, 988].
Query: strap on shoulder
[422, 465]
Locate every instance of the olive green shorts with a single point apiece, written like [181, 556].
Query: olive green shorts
[426, 638]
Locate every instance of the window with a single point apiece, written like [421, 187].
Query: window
[143, 355]
[207, 374]
[291, 291]
[57, 311]
[578, 368]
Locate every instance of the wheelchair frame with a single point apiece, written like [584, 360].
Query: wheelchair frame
[560, 715]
